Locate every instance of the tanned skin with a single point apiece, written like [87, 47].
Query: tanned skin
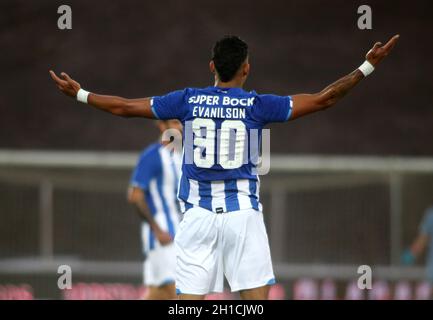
[136, 198]
[303, 104]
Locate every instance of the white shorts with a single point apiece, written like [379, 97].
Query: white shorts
[211, 245]
[160, 266]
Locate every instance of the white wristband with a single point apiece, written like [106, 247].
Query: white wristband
[366, 68]
[82, 95]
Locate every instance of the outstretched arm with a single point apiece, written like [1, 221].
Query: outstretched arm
[116, 105]
[304, 104]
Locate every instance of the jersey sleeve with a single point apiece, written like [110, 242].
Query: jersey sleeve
[147, 168]
[169, 106]
[426, 226]
[273, 108]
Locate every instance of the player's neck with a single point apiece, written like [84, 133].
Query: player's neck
[235, 83]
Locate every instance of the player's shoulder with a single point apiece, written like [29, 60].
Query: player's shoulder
[270, 96]
[175, 96]
[184, 91]
[191, 91]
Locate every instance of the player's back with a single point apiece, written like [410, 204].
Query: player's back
[222, 132]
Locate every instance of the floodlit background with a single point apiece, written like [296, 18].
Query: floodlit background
[347, 187]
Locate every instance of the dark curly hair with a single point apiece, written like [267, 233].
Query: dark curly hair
[228, 54]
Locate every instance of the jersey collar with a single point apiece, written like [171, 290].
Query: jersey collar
[226, 90]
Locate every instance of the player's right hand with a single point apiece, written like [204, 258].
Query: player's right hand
[66, 84]
[379, 51]
[163, 237]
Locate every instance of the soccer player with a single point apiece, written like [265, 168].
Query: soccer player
[423, 241]
[222, 232]
[152, 191]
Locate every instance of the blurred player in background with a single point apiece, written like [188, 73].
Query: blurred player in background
[423, 241]
[222, 233]
[152, 191]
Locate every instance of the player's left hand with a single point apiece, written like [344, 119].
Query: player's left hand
[379, 51]
[66, 84]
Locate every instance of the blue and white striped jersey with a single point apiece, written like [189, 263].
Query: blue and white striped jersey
[222, 133]
[157, 174]
[426, 228]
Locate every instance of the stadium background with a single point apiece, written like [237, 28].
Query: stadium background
[325, 214]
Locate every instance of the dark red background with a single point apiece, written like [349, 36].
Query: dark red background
[142, 48]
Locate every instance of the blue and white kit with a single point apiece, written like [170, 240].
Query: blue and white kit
[426, 228]
[222, 232]
[157, 173]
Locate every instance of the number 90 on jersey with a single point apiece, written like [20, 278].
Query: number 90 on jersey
[228, 146]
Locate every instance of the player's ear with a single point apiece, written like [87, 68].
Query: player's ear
[212, 66]
[245, 69]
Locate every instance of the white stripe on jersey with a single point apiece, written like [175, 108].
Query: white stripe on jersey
[193, 196]
[239, 195]
[145, 230]
[258, 189]
[159, 216]
[169, 185]
[181, 201]
[218, 195]
[182, 205]
[244, 200]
